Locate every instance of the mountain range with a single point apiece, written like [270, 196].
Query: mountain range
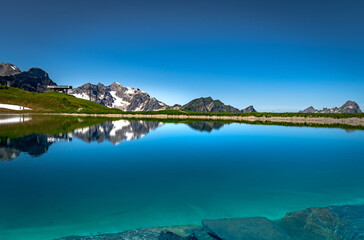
[131, 99]
[348, 107]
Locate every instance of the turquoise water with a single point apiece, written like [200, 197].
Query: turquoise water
[133, 174]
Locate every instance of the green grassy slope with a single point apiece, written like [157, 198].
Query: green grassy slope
[50, 102]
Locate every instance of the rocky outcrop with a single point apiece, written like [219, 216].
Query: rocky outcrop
[118, 96]
[348, 107]
[33, 80]
[208, 104]
[8, 69]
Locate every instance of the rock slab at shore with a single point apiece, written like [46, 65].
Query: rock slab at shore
[326, 223]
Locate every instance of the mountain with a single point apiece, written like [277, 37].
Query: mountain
[118, 96]
[7, 69]
[210, 105]
[348, 107]
[33, 80]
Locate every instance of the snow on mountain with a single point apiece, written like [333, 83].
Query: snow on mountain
[118, 96]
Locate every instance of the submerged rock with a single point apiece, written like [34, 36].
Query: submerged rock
[326, 223]
[335, 222]
[245, 228]
[188, 232]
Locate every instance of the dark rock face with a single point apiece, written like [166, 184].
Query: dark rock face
[245, 228]
[348, 107]
[118, 96]
[7, 69]
[336, 222]
[210, 105]
[33, 80]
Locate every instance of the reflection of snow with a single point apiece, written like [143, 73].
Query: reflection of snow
[57, 139]
[13, 107]
[14, 119]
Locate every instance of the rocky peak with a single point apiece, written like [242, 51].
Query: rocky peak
[248, 109]
[309, 110]
[350, 107]
[7, 69]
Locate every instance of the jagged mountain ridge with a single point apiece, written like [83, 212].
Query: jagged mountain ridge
[348, 107]
[118, 96]
[208, 104]
[33, 80]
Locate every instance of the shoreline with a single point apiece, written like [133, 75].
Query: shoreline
[354, 122]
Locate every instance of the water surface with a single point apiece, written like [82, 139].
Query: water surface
[120, 175]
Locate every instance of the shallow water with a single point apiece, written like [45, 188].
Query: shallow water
[132, 174]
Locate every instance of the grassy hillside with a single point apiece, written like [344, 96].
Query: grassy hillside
[50, 102]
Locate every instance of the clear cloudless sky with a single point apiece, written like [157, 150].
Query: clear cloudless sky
[278, 55]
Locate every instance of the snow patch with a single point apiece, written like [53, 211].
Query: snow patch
[13, 107]
[82, 95]
[119, 102]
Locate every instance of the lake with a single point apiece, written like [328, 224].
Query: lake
[77, 176]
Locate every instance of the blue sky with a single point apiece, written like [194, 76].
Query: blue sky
[276, 55]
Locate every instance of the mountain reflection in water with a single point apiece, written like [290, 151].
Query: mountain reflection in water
[37, 144]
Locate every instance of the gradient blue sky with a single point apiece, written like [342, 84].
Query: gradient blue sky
[281, 55]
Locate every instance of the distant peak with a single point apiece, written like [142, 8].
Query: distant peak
[7, 69]
[116, 83]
